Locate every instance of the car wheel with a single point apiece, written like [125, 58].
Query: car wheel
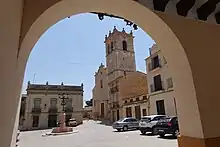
[143, 132]
[162, 135]
[176, 133]
[154, 131]
[125, 128]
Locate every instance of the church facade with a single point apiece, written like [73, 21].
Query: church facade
[120, 62]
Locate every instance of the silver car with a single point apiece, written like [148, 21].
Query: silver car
[126, 124]
[148, 123]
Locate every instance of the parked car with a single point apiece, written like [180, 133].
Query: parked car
[126, 124]
[148, 123]
[168, 126]
[58, 123]
[17, 138]
[72, 122]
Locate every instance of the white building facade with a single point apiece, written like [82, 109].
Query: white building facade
[43, 105]
[160, 84]
[100, 94]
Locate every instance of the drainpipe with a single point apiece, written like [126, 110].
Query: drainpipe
[148, 105]
[175, 105]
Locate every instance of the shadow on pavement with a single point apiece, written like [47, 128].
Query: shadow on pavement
[124, 131]
[147, 134]
[171, 137]
[106, 123]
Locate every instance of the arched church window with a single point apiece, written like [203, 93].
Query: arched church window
[112, 45]
[108, 49]
[124, 44]
[101, 83]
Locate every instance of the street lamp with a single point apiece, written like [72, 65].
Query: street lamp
[63, 97]
[62, 127]
[102, 15]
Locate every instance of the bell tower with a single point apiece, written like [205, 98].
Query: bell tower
[120, 55]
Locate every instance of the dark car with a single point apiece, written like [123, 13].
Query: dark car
[17, 138]
[168, 126]
[148, 123]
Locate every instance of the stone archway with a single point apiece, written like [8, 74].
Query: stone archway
[180, 47]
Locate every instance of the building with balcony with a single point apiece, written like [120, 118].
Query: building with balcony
[22, 111]
[43, 105]
[160, 84]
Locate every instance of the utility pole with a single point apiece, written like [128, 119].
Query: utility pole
[34, 78]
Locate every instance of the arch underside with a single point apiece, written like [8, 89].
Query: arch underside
[180, 47]
[205, 10]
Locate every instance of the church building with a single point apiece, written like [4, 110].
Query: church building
[120, 62]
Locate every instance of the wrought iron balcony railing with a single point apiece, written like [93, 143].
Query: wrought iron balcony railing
[68, 109]
[154, 88]
[152, 66]
[36, 110]
[114, 89]
[115, 105]
[53, 110]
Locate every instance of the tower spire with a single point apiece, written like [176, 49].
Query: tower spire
[115, 29]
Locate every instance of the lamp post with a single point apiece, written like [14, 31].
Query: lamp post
[63, 97]
[62, 128]
[102, 15]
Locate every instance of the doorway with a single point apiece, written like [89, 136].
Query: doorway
[129, 112]
[52, 121]
[113, 115]
[35, 122]
[102, 110]
[144, 112]
[118, 114]
[137, 112]
[160, 107]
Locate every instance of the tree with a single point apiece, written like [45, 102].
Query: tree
[89, 102]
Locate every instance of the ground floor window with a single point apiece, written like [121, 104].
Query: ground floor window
[160, 107]
[144, 112]
[128, 112]
[35, 121]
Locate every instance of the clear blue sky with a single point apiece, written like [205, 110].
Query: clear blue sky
[72, 50]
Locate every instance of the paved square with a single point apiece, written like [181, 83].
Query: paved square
[92, 134]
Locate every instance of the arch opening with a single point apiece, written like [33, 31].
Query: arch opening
[156, 28]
